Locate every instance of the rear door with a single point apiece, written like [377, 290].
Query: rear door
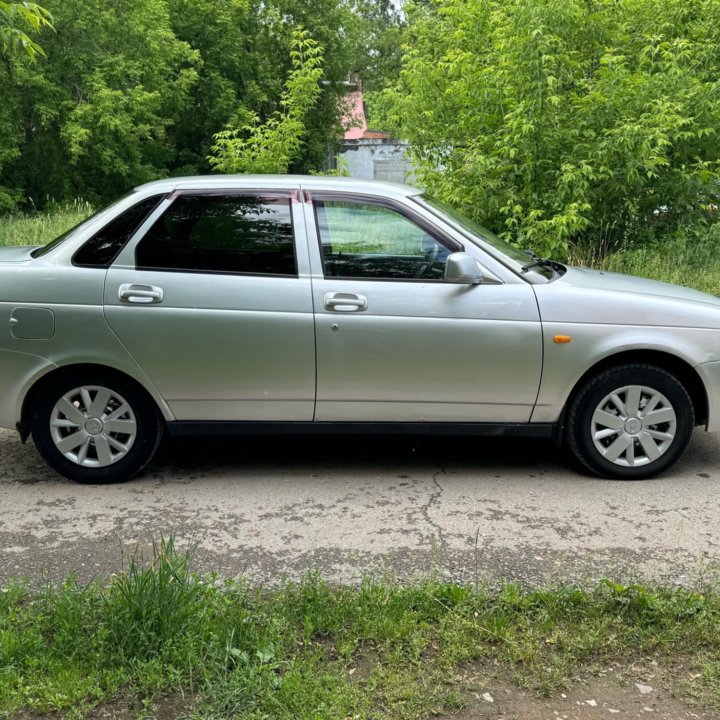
[213, 300]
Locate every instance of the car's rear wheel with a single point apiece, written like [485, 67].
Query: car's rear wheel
[630, 422]
[95, 428]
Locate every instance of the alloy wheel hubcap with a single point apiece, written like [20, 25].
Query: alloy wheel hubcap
[93, 426]
[633, 425]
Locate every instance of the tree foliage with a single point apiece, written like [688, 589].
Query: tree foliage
[97, 115]
[133, 90]
[554, 119]
[16, 21]
[377, 42]
[270, 146]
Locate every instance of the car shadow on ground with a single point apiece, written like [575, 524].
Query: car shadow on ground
[343, 454]
[359, 451]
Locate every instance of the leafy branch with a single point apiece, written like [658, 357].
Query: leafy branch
[16, 21]
[271, 146]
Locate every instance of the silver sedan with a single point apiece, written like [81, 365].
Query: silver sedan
[247, 304]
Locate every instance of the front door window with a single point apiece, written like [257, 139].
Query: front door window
[366, 240]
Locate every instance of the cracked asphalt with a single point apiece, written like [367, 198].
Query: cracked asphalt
[276, 507]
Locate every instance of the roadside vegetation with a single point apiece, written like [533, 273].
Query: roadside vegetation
[99, 97]
[559, 122]
[689, 257]
[308, 650]
[39, 228]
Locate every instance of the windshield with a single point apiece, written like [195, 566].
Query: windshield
[69, 233]
[509, 254]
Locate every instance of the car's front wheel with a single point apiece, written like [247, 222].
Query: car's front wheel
[95, 428]
[630, 422]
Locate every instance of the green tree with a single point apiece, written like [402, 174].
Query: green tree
[96, 118]
[271, 146]
[552, 120]
[334, 25]
[377, 43]
[17, 22]
[236, 74]
[245, 49]
[377, 46]
[133, 90]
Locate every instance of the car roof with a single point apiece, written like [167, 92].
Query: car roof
[306, 182]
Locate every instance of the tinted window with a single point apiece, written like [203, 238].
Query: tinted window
[360, 239]
[103, 247]
[222, 233]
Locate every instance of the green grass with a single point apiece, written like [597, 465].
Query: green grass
[697, 267]
[41, 228]
[691, 258]
[309, 650]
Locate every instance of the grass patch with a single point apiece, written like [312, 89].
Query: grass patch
[41, 228]
[309, 650]
[691, 258]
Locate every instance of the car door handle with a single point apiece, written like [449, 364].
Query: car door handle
[140, 294]
[345, 302]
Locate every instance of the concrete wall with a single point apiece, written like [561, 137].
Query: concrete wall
[377, 159]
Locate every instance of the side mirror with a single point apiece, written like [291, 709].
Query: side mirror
[463, 268]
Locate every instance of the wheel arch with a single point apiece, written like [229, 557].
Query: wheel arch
[682, 370]
[36, 388]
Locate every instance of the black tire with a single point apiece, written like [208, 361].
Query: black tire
[143, 412]
[583, 433]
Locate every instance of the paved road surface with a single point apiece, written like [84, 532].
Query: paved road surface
[463, 508]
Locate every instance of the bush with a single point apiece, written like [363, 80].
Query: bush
[552, 120]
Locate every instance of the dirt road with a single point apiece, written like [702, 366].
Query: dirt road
[461, 508]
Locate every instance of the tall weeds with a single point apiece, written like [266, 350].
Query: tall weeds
[155, 603]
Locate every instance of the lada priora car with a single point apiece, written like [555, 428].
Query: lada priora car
[244, 304]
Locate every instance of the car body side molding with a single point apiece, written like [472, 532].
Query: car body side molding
[185, 428]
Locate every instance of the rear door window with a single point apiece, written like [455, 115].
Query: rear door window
[223, 233]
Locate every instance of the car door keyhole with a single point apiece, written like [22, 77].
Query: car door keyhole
[334, 327]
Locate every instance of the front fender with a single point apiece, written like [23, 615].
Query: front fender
[564, 364]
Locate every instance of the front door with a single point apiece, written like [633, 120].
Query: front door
[395, 342]
[215, 305]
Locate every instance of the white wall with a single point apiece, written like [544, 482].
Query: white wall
[377, 159]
